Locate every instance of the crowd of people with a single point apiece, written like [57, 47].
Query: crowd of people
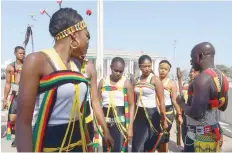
[57, 104]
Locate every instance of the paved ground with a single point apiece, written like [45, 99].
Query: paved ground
[227, 147]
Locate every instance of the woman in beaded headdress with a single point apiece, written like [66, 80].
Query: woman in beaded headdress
[170, 93]
[54, 89]
[116, 92]
[150, 117]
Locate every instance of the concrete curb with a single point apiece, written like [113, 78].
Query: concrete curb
[227, 128]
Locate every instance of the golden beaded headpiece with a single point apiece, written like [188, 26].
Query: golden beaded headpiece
[165, 64]
[77, 27]
[145, 64]
[65, 33]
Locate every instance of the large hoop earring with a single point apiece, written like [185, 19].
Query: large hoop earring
[74, 47]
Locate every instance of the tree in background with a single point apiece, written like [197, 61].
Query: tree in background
[185, 74]
[225, 69]
[3, 73]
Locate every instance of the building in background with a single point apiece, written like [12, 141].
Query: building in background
[131, 61]
[130, 57]
[3, 74]
[3, 68]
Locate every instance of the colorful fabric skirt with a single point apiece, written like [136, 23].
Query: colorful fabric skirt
[202, 142]
[12, 111]
[206, 143]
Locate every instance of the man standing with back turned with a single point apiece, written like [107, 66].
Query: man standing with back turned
[209, 96]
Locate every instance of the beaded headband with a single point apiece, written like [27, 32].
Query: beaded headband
[77, 27]
[65, 33]
[145, 64]
[165, 64]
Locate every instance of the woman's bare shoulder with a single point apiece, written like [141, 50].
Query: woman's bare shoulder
[155, 78]
[36, 57]
[34, 61]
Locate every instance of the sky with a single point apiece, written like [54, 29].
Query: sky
[148, 26]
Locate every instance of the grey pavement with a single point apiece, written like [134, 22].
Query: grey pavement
[227, 128]
[227, 147]
[226, 125]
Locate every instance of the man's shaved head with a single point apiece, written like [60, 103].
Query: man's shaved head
[205, 48]
[201, 54]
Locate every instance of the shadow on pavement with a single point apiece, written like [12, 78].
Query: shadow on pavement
[3, 130]
[173, 147]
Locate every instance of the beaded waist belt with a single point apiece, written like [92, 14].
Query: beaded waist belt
[201, 130]
[113, 120]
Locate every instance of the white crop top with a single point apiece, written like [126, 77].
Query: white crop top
[65, 94]
[167, 94]
[147, 92]
[117, 97]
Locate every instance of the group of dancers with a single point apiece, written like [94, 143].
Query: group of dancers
[62, 107]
